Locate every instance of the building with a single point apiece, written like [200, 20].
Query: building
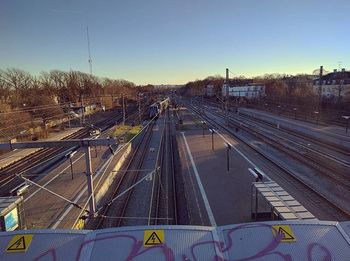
[334, 87]
[244, 88]
[209, 90]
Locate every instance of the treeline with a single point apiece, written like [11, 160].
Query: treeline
[25, 97]
[278, 87]
[195, 88]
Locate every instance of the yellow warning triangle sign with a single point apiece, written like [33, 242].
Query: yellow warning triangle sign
[153, 240]
[286, 235]
[284, 230]
[20, 244]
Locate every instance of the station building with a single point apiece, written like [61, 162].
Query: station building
[334, 87]
[243, 88]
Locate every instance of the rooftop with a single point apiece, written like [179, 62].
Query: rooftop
[275, 240]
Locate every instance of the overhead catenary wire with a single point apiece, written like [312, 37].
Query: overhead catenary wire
[50, 106]
[71, 202]
[125, 191]
[118, 150]
[51, 192]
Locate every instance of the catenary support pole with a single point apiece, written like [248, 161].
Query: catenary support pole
[90, 184]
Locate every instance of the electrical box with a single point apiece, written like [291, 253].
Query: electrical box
[11, 213]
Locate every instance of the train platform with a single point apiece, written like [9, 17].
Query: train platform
[45, 210]
[332, 134]
[216, 195]
[277, 240]
[18, 154]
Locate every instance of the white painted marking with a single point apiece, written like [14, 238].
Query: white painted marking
[238, 151]
[201, 188]
[192, 186]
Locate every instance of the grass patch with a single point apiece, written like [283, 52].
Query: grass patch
[127, 131]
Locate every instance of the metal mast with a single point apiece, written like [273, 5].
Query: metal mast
[88, 40]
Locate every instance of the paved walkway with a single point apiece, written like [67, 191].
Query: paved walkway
[215, 196]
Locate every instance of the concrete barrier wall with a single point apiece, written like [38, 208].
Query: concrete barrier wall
[108, 181]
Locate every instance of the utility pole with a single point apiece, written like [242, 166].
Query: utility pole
[320, 88]
[90, 184]
[227, 95]
[203, 101]
[340, 88]
[123, 109]
[139, 103]
[82, 110]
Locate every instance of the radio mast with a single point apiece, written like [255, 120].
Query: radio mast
[88, 40]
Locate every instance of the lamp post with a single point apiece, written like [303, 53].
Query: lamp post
[347, 122]
[228, 146]
[316, 113]
[279, 109]
[295, 113]
[212, 131]
[70, 155]
[203, 124]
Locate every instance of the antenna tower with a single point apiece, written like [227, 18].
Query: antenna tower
[88, 40]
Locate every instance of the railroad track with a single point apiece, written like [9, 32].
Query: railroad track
[8, 175]
[296, 135]
[314, 196]
[113, 215]
[164, 206]
[321, 162]
[318, 156]
[320, 142]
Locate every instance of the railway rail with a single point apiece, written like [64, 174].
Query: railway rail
[330, 160]
[314, 196]
[9, 178]
[160, 189]
[164, 206]
[113, 215]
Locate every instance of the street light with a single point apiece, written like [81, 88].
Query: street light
[347, 122]
[212, 131]
[203, 124]
[228, 146]
[70, 155]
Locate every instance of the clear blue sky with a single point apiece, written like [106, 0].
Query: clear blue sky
[163, 41]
